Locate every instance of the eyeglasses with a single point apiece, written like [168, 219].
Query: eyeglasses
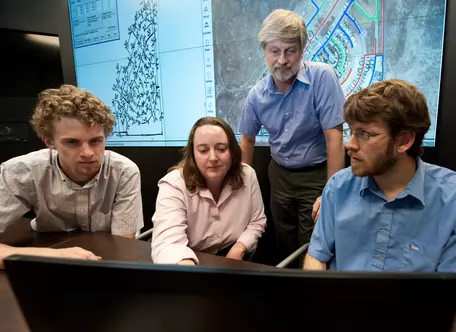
[362, 136]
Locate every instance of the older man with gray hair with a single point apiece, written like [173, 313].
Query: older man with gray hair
[300, 104]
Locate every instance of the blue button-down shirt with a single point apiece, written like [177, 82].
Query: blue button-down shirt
[296, 119]
[359, 229]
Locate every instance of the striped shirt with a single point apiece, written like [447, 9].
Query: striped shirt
[110, 202]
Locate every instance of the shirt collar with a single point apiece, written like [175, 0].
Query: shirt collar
[226, 192]
[302, 76]
[415, 188]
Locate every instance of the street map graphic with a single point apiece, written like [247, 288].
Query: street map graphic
[365, 41]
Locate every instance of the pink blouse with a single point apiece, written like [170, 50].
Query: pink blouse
[185, 222]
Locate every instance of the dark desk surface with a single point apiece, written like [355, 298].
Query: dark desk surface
[20, 234]
[109, 247]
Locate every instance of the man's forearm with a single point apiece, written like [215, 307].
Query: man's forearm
[311, 263]
[336, 157]
[72, 252]
[247, 146]
[6, 251]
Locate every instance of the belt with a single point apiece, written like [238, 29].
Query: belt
[302, 169]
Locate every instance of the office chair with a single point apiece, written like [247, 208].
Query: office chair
[144, 236]
[293, 256]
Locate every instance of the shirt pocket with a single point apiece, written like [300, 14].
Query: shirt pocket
[101, 222]
[305, 118]
[418, 258]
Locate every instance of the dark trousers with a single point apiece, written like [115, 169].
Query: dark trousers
[293, 193]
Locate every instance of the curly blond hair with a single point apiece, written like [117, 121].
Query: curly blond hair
[70, 101]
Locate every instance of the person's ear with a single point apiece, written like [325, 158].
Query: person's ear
[404, 141]
[49, 142]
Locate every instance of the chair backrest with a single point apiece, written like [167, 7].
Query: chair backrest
[145, 235]
[295, 255]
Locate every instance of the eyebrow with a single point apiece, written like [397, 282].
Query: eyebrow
[285, 49]
[360, 130]
[217, 145]
[77, 139]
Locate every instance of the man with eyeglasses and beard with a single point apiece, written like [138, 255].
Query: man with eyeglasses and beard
[301, 106]
[389, 211]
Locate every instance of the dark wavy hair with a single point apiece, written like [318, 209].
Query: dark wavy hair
[192, 175]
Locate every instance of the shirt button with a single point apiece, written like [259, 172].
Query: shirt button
[379, 256]
[383, 230]
[286, 129]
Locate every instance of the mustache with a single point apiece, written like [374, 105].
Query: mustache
[282, 67]
[352, 155]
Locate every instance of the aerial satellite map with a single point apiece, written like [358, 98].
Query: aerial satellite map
[365, 41]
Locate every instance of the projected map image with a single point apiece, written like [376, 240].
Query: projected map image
[365, 41]
[116, 53]
[147, 61]
[136, 102]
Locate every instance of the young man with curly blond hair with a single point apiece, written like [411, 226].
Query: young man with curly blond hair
[74, 183]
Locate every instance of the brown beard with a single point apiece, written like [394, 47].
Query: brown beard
[380, 165]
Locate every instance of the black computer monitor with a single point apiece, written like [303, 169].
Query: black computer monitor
[72, 295]
[33, 62]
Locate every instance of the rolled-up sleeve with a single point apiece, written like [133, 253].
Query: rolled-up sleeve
[322, 242]
[257, 223]
[169, 239]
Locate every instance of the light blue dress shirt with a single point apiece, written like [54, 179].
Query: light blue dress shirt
[296, 119]
[359, 229]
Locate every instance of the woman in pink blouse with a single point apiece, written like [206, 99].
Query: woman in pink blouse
[209, 202]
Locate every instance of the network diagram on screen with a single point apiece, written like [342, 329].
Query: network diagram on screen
[161, 65]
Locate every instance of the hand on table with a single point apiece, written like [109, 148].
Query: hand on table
[187, 262]
[237, 251]
[74, 252]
